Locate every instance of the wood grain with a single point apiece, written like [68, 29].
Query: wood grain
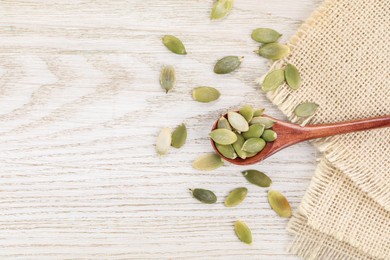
[80, 109]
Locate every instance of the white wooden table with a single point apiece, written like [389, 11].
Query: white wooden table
[80, 108]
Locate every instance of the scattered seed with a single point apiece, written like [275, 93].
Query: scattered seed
[236, 196]
[257, 178]
[179, 136]
[227, 64]
[163, 141]
[273, 80]
[274, 51]
[223, 136]
[174, 44]
[224, 123]
[205, 94]
[221, 8]
[279, 203]
[207, 162]
[267, 122]
[168, 78]
[258, 112]
[243, 232]
[306, 109]
[204, 196]
[293, 78]
[265, 35]
[247, 112]
[269, 135]
[238, 122]
[226, 150]
[253, 145]
[255, 130]
[238, 146]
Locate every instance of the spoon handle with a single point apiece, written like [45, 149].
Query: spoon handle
[325, 130]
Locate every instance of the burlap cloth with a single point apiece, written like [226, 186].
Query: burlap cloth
[343, 54]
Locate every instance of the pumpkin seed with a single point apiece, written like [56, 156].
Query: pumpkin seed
[226, 150]
[174, 44]
[223, 136]
[227, 64]
[204, 196]
[247, 112]
[224, 123]
[306, 109]
[255, 130]
[238, 122]
[267, 122]
[236, 196]
[257, 178]
[163, 141]
[179, 136]
[221, 8]
[248, 155]
[243, 232]
[265, 35]
[274, 51]
[253, 145]
[273, 80]
[293, 78]
[258, 112]
[279, 203]
[168, 78]
[205, 94]
[269, 135]
[238, 146]
[207, 162]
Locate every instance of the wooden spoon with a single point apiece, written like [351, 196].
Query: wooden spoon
[289, 134]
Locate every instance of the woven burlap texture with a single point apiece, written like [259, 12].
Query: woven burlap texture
[343, 54]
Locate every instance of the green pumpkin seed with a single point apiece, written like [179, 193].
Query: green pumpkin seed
[253, 145]
[247, 112]
[224, 123]
[205, 94]
[267, 122]
[207, 162]
[249, 155]
[174, 44]
[274, 51]
[227, 64]
[255, 130]
[226, 150]
[243, 232]
[168, 78]
[179, 136]
[223, 136]
[163, 141]
[279, 203]
[204, 196]
[257, 178]
[258, 112]
[238, 146]
[236, 196]
[273, 80]
[269, 135]
[293, 78]
[221, 8]
[306, 109]
[265, 35]
[238, 122]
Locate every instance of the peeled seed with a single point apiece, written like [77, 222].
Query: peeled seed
[163, 141]
[255, 130]
[253, 145]
[243, 232]
[168, 78]
[247, 112]
[226, 150]
[238, 146]
[236, 196]
[269, 135]
[227, 64]
[223, 136]
[204, 196]
[221, 8]
[257, 178]
[265, 35]
[258, 112]
[293, 78]
[224, 123]
[174, 44]
[205, 94]
[279, 203]
[238, 122]
[207, 162]
[273, 80]
[179, 136]
[267, 122]
[306, 109]
[274, 51]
